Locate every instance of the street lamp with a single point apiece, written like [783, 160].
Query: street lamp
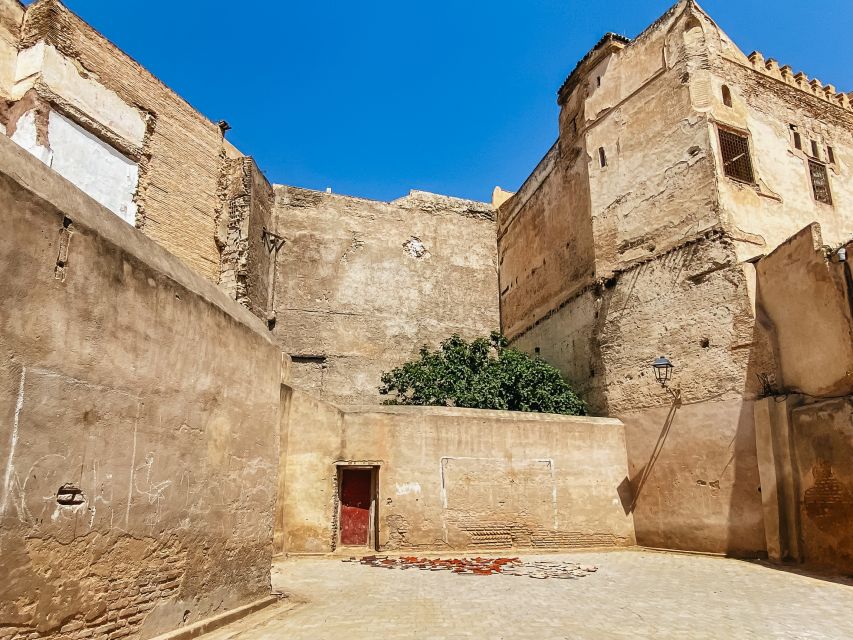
[663, 370]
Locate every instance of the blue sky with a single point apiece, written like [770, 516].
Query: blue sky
[378, 97]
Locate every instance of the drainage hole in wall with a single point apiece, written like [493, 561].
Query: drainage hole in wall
[69, 495]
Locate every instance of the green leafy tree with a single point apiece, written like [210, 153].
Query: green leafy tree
[482, 374]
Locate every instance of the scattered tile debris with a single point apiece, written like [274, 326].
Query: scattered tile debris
[540, 569]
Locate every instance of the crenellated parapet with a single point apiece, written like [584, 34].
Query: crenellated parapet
[815, 87]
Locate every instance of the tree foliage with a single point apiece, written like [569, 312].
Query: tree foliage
[482, 374]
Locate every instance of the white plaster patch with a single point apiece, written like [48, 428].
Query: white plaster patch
[415, 248]
[408, 487]
[94, 166]
[25, 136]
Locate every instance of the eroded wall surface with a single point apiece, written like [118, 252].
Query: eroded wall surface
[139, 409]
[362, 285]
[458, 479]
[807, 297]
[779, 110]
[661, 276]
[124, 119]
[805, 426]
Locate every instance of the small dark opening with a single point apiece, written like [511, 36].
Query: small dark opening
[727, 96]
[798, 141]
[830, 154]
[815, 151]
[66, 222]
[598, 80]
[704, 343]
[602, 157]
[69, 495]
[307, 359]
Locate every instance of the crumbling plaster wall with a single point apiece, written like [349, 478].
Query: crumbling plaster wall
[179, 153]
[139, 409]
[805, 427]
[766, 102]
[458, 479]
[666, 280]
[362, 285]
[11, 16]
[692, 460]
[807, 298]
[244, 222]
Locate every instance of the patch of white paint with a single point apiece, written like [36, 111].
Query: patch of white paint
[94, 166]
[408, 487]
[10, 463]
[25, 137]
[415, 248]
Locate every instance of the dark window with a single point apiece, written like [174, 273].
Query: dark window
[602, 157]
[598, 80]
[814, 149]
[820, 182]
[798, 141]
[727, 96]
[736, 161]
[830, 154]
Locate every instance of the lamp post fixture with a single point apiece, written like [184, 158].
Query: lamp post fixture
[663, 372]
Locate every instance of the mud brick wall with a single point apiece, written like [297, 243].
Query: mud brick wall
[456, 479]
[182, 153]
[361, 285]
[138, 407]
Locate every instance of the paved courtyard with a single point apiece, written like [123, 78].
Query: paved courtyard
[633, 594]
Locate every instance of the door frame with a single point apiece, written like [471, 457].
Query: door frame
[373, 532]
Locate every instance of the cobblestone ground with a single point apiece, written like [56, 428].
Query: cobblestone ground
[634, 594]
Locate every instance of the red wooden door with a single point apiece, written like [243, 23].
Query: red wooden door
[356, 495]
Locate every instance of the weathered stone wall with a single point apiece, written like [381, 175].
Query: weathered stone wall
[11, 16]
[665, 278]
[458, 479]
[692, 305]
[243, 235]
[767, 103]
[805, 428]
[139, 412]
[807, 298]
[362, 285]
[66, 64]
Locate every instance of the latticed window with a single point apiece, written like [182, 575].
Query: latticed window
[820, 182]
[736, 161]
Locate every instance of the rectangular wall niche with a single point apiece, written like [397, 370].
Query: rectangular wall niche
[94, 166]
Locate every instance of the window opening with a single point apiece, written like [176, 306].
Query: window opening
[736, 161]
[815, 149]
[830, 154]
[602, 157]
[820, 182]
[727, 96]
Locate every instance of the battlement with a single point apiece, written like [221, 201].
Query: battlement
[800, 80]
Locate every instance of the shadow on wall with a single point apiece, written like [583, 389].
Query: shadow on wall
[760, 367]
[646, 471]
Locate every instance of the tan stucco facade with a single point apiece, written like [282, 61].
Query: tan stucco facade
[455, 479]
[630, 241]
[140, 412]
[193, 354]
